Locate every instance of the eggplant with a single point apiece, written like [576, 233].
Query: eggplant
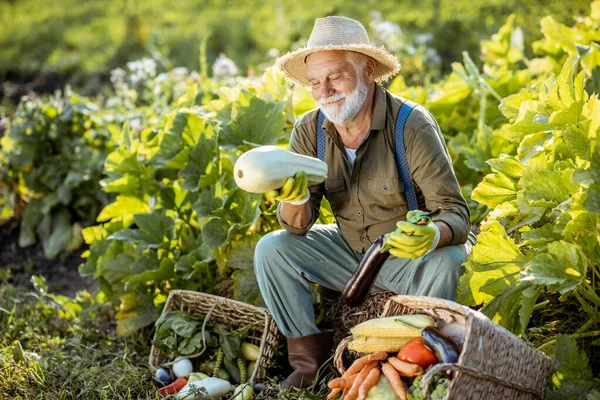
[358, 287]
[442, 346]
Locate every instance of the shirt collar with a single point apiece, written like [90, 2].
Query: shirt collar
[379, 112]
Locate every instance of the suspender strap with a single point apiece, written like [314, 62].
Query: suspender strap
[321, 140]
[401, 161]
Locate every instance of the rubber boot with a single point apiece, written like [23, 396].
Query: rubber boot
[306, 354]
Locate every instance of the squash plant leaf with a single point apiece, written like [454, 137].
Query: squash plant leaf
[560, 268]
[253, 120]
[202, 166]
[137, 311]
[571, 376]
[495, 265]
[153, 230]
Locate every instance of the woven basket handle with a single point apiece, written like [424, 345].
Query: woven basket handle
[476, 374]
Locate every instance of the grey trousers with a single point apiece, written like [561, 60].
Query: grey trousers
[286, 264]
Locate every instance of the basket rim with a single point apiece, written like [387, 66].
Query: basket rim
[428, 302]
[216, 298]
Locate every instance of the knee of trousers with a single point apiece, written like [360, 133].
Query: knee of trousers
[448, 261]
[265, 255]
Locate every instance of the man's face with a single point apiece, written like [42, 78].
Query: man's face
[336, 85]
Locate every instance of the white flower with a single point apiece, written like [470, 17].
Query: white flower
[142, 70]
[135, 124]
[117, 76]
[224, 66]
[433, 56]
[387, 30]
[517, 39]
[273, 53]
[423, 38]
[179, 72]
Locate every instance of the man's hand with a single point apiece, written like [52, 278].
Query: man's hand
[295, 189]
[411, 240]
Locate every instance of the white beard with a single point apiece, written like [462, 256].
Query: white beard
[345, 113]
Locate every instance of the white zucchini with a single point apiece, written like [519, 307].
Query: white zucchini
[266, 168]
[214, 387]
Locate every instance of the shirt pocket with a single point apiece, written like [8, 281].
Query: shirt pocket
[337, 195]
[386, 197]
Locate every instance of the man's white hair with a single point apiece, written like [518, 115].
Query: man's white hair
[358, 61]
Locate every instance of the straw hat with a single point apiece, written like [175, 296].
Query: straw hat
[337, 33]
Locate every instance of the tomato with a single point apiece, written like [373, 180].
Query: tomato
[173, 387]
[415, 352]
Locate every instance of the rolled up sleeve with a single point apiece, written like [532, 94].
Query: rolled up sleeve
[432, 172]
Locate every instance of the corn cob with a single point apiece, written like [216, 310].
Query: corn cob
[362, 344]
[397, 326]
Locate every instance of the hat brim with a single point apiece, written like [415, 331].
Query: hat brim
[293, 65]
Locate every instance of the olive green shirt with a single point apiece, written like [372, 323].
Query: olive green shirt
[367, 198]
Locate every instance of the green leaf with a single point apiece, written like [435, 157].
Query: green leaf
[32, 217]
[124, 206]
[154, 230]
[571, 376]
[231, 345]
[253, 121]
[538, 236]
[242, 253]
[61, 234]
[495, 189]
[578, 143]
[560, 268]
[532, 144]
[494, 265]
[165, 272]
[137, 311]
[245, 287]
[170, 147]
[509, 166]
[526, 121]
[207, 202]
[552, 186]
[511, 105]
[214, 232]
[202, 164]
[188, 126]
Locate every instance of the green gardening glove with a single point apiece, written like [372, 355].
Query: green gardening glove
[414, 237]
[294, 189]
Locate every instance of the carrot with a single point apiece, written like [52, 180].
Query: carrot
[334, 393]
[343, 382]
[344, 393]
[360, 378]
[360, 363]
[404, 368]
[395, 380]
[371, 381]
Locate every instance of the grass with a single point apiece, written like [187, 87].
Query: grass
[54, 347]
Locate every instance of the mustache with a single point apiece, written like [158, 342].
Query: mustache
[331, 99]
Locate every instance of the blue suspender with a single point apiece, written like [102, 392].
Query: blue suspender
[401, 161]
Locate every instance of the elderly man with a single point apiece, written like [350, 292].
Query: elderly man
[365, 189]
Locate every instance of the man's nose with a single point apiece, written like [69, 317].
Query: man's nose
[326, 90]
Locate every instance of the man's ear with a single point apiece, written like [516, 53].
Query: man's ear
[370, 70]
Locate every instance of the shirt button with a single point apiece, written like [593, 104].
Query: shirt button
[385, 187]
[326, 187]
[353, 181]
[359, 213]
[363, 238]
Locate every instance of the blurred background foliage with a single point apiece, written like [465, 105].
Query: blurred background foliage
[49, 43]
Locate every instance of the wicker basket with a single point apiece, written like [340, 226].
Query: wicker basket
[494, 363]
[231, 313]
